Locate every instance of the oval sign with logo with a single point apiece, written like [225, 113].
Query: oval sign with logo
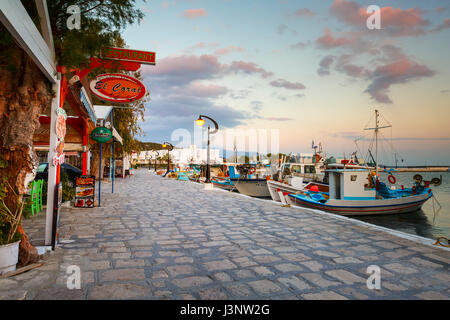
[101, 134]
[118, 88]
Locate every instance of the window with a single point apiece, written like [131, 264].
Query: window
[310, 169]
[353, 177]
[42, 167]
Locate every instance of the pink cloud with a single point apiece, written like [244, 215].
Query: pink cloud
[304, 12]
[442, 26]
[401, 71]
[394, 21]
[325, 64]
[353, 70]
[194, 13]
[328, 41]
[227, 50]
[182, 69]
[281, 83]
[249, 68]
[203, 90]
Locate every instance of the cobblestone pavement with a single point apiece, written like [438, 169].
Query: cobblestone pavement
[157, 238]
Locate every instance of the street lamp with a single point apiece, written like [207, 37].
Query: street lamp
[200, 122]
[156, 158]
[169, 147]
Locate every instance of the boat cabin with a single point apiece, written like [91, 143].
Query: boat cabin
[350, 184]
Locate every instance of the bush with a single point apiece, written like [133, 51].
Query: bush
[68, 192]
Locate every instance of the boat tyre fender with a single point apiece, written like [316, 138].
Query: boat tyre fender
[392, 179]
[252, 170]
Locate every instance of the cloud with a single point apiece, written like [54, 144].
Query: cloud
[182, 87]
[304, 12]
[227, 50]
[278, 119]
[353, 70]
[206, 90]
[299, 45]
[439, 9]
[281, 29]
[328, 41]
[182, 69]
[325, 64]
[281, 83]
[442, 26]
[398, 72]
[249, 68]
[194, 13]
[394, 22]
[445, 91]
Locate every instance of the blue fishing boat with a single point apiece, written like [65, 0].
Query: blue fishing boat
[225, 182]
[359, 191]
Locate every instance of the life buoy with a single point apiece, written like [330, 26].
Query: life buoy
[392, 179]
[252, 170]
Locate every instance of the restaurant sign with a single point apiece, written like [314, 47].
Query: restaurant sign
[118, 88]
[61, 128]
[101, 134]
[121, 54]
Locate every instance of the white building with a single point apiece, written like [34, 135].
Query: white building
[182, 156]
[196, 156]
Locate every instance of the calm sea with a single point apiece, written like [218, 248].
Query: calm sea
[428, 222]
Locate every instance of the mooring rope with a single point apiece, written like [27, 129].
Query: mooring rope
[439, 243]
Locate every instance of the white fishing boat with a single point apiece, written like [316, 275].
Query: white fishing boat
[291, 185]
[252, 187]
[359, 191]
[355, 192]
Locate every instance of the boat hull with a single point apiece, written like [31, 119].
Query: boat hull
[252, 187]
[364, 207]
[225, 185]
[274, 186]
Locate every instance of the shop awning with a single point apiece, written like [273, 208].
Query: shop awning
[116, 135]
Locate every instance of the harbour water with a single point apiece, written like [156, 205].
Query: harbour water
[429, 222]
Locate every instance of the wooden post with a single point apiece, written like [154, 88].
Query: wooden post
[52, 170]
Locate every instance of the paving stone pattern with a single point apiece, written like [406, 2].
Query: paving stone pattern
[157, 238]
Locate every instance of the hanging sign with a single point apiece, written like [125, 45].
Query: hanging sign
[121, 54]
[61, 128]
[61, 117]
[101, 134]
[118, 88]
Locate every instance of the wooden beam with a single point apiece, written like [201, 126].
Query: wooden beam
[17, 21]
[46, 28]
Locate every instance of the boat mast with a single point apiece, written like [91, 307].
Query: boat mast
[377, 127]
[376, 143]
[235, 151]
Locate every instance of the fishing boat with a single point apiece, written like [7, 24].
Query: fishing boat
[250, 183]
[222, 183]
[293, 185]
[358, 191]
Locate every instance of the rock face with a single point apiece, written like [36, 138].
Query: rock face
[27, 253]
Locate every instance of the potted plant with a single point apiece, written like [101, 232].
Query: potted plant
[10, 221]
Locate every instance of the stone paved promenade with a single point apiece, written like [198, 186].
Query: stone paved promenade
[157, 238]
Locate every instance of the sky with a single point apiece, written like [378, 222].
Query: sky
[309, 70]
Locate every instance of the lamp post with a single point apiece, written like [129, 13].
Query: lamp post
[200, 122]
[169, 147]
[156, 158]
